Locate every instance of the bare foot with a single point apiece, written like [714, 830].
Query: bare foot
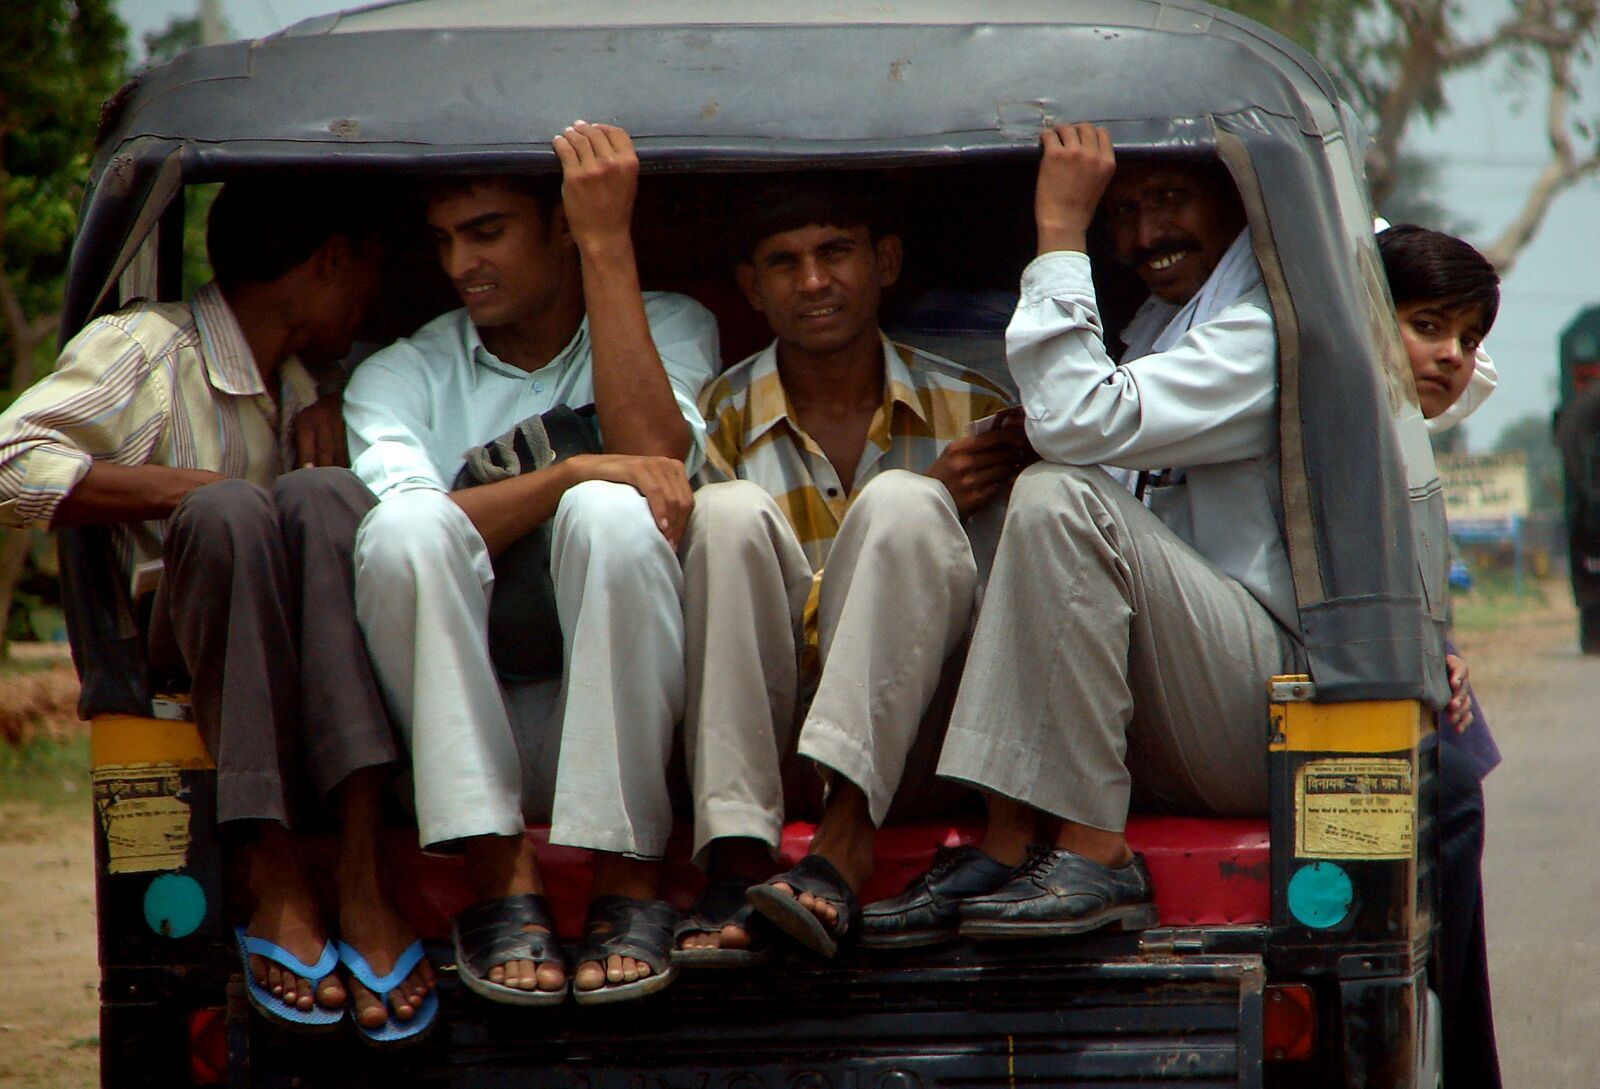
[618, 875]
[739, 861]
[368, 923]
[287, 915]
[844, 838]
[505, 866]
[729, 937]
[824, 910]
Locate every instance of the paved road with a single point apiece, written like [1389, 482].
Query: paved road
[1542, 861]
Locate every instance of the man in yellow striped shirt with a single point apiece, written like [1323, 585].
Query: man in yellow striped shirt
[839, 469]
[173, 423]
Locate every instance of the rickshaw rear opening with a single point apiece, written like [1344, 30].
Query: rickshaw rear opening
[1241, 983]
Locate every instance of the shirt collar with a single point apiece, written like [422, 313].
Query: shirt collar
[899, 387]
[769, 402]
[230, 365]
[478, 353]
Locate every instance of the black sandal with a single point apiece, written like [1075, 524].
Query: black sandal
[496, 932]
[816, 875]
[624, 927]
[722, 903]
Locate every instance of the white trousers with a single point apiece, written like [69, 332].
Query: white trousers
[895, 602]
[588, 752]
[1111, 662]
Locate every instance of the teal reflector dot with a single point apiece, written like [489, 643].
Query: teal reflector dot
[174, 905]
[1320, 894]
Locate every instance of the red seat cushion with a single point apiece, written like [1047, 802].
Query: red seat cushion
[1205, 871]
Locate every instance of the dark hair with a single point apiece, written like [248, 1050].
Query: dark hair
[1429, 266]
[804, 200]
[260, 228]
[544, 188]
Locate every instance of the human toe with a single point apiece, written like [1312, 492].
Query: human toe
[591, 975]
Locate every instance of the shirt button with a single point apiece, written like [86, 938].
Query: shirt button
[833, 493]
[538, 387]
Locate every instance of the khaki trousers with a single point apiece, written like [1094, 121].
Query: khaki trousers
[895, 603]
[1112, 663]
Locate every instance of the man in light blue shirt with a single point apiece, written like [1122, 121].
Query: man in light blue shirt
[552, 315]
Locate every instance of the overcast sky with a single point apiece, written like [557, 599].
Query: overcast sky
[1488, 151]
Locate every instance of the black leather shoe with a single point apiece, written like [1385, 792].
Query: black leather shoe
[928, 912]
[1057, 893]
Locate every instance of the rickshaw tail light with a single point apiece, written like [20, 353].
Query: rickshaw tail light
[208, 1047]
[1289, 1023]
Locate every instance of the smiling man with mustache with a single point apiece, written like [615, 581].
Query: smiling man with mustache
[1130, 625]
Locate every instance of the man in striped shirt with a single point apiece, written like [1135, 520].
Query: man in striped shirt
[839, 470]
[172, 423]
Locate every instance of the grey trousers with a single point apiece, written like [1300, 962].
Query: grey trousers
[894, 605]
[1111, 663]
[257, 603]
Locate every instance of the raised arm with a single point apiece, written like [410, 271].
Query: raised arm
[634, 400]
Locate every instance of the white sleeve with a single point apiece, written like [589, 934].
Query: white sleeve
[386, 411]
[1212, 397]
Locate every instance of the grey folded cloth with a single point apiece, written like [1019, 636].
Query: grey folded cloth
[524, 628]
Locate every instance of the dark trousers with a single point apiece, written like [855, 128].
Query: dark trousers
[1471, 1060]
[257, 605]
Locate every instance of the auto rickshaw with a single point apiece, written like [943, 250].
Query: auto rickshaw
[1291, 951]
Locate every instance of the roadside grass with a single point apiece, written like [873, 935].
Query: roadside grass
[1495, 601]
[48, 773]
[44, 748]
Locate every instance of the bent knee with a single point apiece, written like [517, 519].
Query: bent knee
[903, 497]
[731, 511]
[605, 513]
[413, 529]
[304, 492]
[222, 506]
[1045, 491]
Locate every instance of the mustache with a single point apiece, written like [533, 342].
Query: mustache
[1164, 248]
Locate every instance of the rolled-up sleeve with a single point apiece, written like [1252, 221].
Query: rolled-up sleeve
[100, 403]
[685, 336]
[1211, 397]
[386, 410]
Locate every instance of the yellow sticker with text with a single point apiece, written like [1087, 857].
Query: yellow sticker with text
[1356, 808]
[145, 818]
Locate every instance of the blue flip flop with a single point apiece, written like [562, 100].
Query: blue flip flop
[273, 1008]
[394, 1032]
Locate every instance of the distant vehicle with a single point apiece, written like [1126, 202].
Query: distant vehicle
[1577, 428]
[1291, 952]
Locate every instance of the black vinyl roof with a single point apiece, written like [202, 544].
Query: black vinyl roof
[747, 80]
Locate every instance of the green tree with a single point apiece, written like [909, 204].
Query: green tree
[58, 61]
[1392, 58]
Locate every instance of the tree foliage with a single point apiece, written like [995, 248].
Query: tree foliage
[62, 58]
[1393, 58]
[58, 61]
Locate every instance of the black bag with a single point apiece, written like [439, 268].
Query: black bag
[525, 640]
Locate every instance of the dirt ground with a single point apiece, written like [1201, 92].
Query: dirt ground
[48, 973]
